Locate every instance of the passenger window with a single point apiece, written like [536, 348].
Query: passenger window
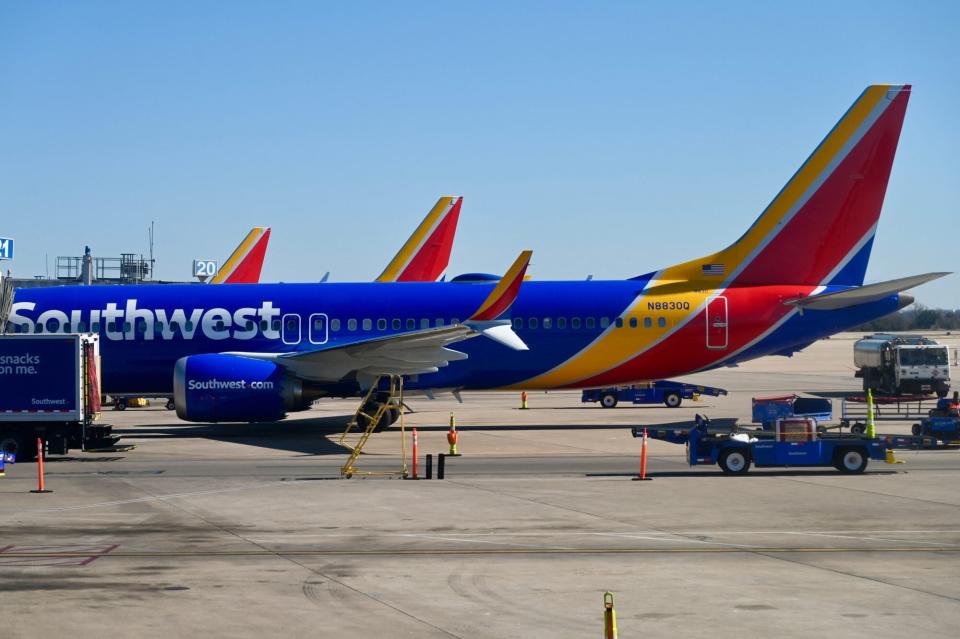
[633, 322]
[396, 324]
[547, 323]
[455, 320]
[351, 324]
[604, 322]
[411, 324]
[575, 323]
[439, 322]
[591, 323]
[264, 325]
[381, 324]
[126, 327]
[619, 322]
[318, 323]
[367, 324]
[39, 328]
[218, 325]
[96, 327]
[534, 323]
[250, 325]
[561, 322]
[335, 325]
[276, 325]
[647, 323]
[518, 322]
[662, 322]
[424, 323]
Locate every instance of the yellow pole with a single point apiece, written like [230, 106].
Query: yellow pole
[871, 427]
[452, 436]
[609, 617]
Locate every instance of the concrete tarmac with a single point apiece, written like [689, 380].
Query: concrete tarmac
[247, 530]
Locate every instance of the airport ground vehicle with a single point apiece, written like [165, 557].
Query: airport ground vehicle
[902, 365]
[663, 391]
[768, 410]
[794, 443]
[51, 391]
[943, 428]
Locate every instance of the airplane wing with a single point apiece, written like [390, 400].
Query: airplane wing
[861, 294]
[244, 264]
[425, 255]
[412, 352]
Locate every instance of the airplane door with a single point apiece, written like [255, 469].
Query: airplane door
[319, 328]
[717, 322]
[290, 331]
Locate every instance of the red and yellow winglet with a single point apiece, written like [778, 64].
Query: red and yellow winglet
[245, 263]
[425, 255]
[503, 296]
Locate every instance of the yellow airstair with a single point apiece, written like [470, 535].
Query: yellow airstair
[365, 423]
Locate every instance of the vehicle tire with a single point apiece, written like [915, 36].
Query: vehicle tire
[851, 461]
[917, 430]
[734, 461]
[858, 429]
[608, 400]
[119, 404]
[171, 405]
[942, 393]
[672, 400]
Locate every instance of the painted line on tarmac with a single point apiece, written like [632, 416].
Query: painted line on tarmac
[500, 551]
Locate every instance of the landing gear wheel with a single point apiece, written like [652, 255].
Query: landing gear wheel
[672, 400]
[734, 461]
[608, 400]
[171, 404]
[917, 430]
[851, 461]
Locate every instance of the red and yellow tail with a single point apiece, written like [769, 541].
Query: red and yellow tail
[425, 255]
[245, 263]
[820, 226]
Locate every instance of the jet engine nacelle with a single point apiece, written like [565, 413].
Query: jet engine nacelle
[229, 388]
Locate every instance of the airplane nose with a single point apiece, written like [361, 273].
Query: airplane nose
[905, 300]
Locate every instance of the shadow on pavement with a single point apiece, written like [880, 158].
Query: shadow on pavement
[307, 436]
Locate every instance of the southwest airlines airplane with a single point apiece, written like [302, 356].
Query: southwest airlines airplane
[254, 352]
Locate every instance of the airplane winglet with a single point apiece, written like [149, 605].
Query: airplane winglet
[505, 293]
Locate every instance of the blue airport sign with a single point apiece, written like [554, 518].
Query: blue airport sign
[6, 248]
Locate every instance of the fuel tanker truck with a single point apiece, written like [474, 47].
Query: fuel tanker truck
[902, 365]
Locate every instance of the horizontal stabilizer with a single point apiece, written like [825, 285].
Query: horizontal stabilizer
[861, 294]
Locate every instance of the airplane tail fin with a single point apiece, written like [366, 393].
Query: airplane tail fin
[245, 263]
[425, 255]
[819, 228]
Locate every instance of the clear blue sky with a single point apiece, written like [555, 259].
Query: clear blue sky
[611, 138]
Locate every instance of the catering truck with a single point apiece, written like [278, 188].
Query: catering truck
[50, 390]
[902, 365]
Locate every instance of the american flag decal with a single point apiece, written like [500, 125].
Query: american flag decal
[713, 269]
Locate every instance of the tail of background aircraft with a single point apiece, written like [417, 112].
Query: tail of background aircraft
[426, 254]
[245, 263]
[819, 228]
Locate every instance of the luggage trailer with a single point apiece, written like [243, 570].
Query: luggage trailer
[793, 443]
